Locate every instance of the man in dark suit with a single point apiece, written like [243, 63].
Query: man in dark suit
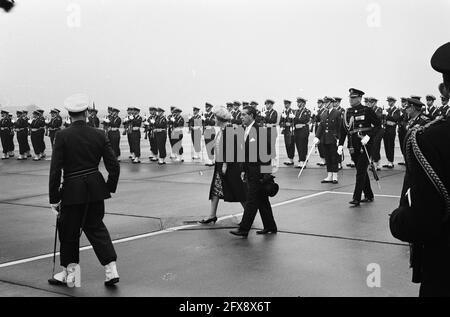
[328, 135]
[256, 167]
[422, 217]
[80, 202]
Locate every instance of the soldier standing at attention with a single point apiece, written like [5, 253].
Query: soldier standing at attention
[161, 135]
[391, 118]
[401, 130]
[170, 121]
[195, 128]
[150, 124]
[136, 124]
[93, 120]
[54, 125]
[113, 126]
[337, 106]
[177, 135]
[315, 119]
[25, 116]
[21, 127]
[210, 133]
[328, 134]
[301, 130]
[236, 119]
[37, 127]
[287, 129]
[360, 124]
[379, 132]
[127, 130]
[432, 110]
[11, 146]
[5, 126]
[79, 203]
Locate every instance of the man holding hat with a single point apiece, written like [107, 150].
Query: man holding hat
[176, 137]
[21, 128]
[5, 132]
[301, 130]
[113, 125]
[79, 204]
[287, 129]
[161, 135]
[391, 116]
[360, 124]
[328, 134]
[209, 133]
[195, 129]
[422, 219]
[54, 125]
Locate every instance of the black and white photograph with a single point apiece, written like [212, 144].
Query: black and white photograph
[225, 154]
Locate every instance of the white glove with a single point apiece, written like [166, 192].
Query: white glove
[340, 149]
[292, 116]
[172, 119]
[13, 121]
[146, 123]
[316, 141]
[283, 115]
[152, 121]
[365, 140]
[385, 112]
[224, 168]
[131, 117]
[203, 118]
[55, 208]
[30, 121]
[288, 124]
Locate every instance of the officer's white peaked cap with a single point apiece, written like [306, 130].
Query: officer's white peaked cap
[77, 103]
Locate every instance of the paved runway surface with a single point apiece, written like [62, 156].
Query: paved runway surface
[323, 248]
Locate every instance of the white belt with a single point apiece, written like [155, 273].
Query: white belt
[271, 125]
[178, 129]
[300, 125]
[159, 130]
[391, 123]
[3, 128]
[34, 130]
[196, 128]
[114, 129]
[136, 128]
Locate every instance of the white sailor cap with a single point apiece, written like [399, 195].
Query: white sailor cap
[77, 103]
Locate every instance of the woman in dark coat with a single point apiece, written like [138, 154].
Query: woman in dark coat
[226, 183]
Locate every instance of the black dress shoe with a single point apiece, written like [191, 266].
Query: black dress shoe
[54, 281]
[239, 233]
[401, 163]
[326, 181]
[335, 182]
[367, 200]
[354, 202]
[266, 231]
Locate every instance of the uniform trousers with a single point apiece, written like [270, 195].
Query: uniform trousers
[196, 138]
[362, 176]
[11, 142]
[401, 138]
[135, 139]
[301, 142]
[114, 138]
[5, 142]
[256, 200]
[289, 143]
[22, 139]
[52, 135]
[389, 142]
[377, 145]
[74, 217]
[331, 157]
[152, 141]
[161, 138]
[37, 140]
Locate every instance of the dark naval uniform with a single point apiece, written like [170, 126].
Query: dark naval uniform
[379, 132]
[53, 127]
[135, 127]
[21, 127]
[360, 121]
[401, 130]
[210, 133]
[301, 132]
[6, 126]
[114, 133]
[287, 129]
[150, 126]
[37, 127]
[195, 128]
[316, 122]
[269, 121]
[329, 133]
[390, 123]
[77, 152]
[422, 216]
[93, 121]
[161, 135]
[236, 119]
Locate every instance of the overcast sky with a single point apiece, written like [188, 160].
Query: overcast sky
[186, 52]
